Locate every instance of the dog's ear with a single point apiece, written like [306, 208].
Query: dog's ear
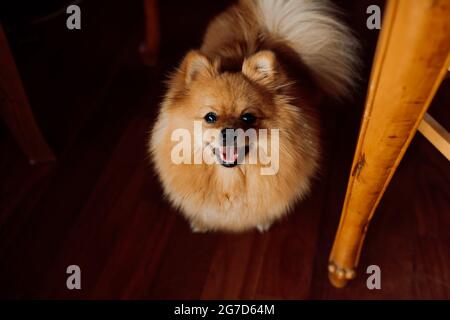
[196, 65]
[261, 67]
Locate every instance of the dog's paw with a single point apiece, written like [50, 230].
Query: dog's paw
[196, 228]
[263, 227]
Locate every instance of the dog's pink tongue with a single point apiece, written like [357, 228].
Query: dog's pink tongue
[229, 154]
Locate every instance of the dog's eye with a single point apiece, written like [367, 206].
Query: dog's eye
[210, 117]
[248, 118]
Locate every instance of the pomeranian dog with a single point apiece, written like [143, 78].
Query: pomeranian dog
[264, 67]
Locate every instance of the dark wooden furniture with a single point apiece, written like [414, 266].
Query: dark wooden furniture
[15, 109]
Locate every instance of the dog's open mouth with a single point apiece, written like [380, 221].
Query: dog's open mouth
[231, 156]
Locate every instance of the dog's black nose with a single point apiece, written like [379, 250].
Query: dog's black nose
[228, 136]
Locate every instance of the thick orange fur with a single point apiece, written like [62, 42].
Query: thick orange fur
[240, 67]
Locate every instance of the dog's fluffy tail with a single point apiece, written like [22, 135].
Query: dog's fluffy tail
[325, 44]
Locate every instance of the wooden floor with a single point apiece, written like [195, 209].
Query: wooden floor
[100, 206]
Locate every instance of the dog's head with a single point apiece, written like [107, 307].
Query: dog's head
[233, 107]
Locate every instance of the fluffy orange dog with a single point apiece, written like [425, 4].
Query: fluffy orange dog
[263, 65]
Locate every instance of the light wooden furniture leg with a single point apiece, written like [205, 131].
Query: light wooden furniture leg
[436, 134]
[149, 48]
[411, 60]
[15, 109]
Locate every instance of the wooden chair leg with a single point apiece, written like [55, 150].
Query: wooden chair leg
[436, 135]
[149, 48]
[16, 111]
[411, 60]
